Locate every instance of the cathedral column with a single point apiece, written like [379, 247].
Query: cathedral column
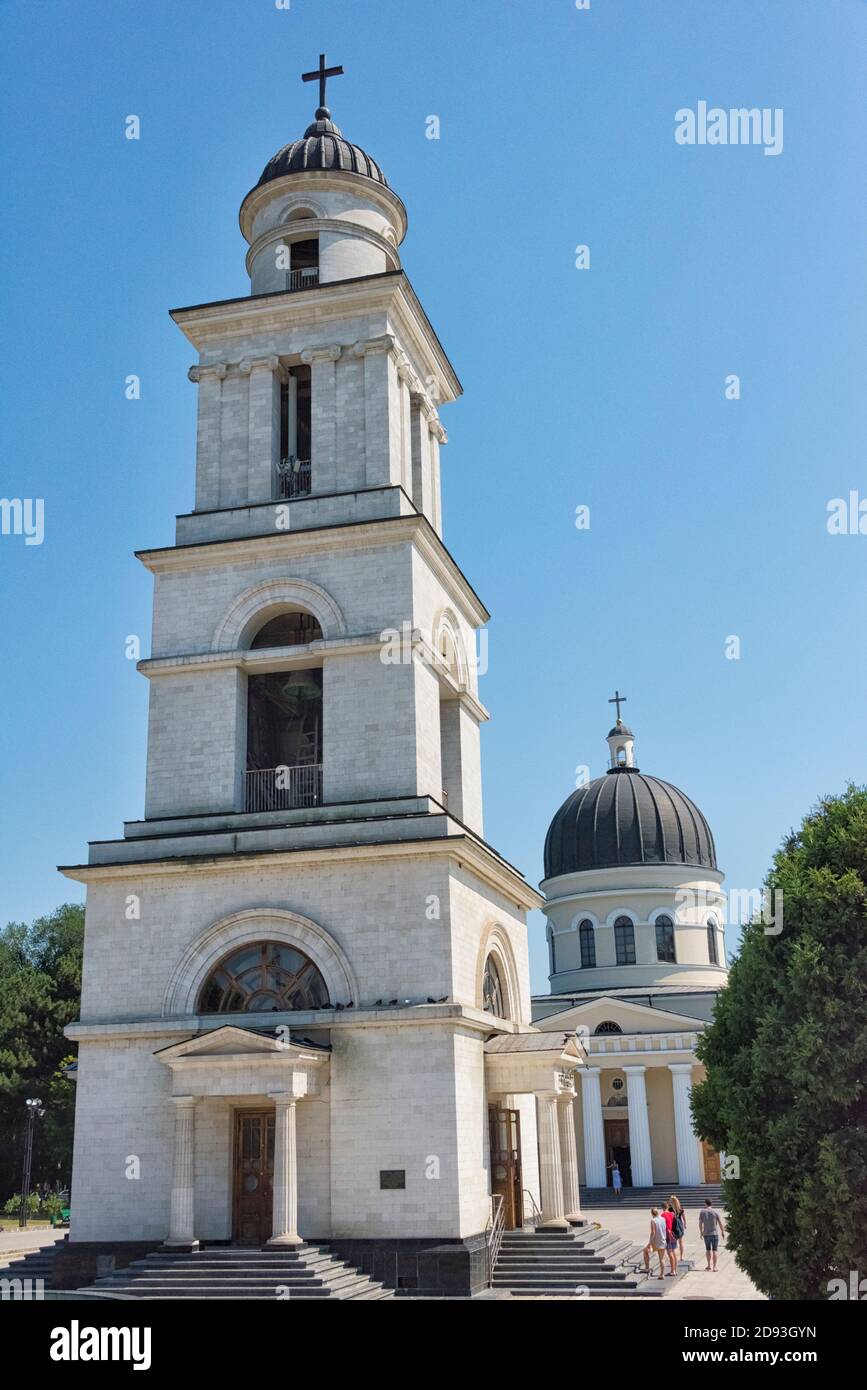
[568, 1157]
[382, 439]
[323, 416]
[689, 1170]
[639, 1128]
[182, 1220]
[208, 433]
[594, 1128]
[263, 426]
[285, 1219]
[550, 1167]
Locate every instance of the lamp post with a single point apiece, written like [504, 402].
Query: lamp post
[34, 1112]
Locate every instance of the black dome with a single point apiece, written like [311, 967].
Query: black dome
[322, 146]
[627, 817]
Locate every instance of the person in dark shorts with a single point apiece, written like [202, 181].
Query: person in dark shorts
[711, 1227]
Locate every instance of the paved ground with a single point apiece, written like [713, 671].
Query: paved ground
[729, 1282]
[17, 1242]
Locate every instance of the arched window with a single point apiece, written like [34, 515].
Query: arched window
[712, 949]
[493, 993]
[608, 1026]
[287, 630]
[624, 941]
[665, 939]
[587, 943]
[266, 977]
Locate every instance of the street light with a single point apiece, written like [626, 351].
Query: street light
[35, 1111]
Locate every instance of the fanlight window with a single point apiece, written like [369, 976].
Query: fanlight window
[608, 1026]
[493, 993]
[587, 943]
[665, 940]
[266, 977]
[287, 630]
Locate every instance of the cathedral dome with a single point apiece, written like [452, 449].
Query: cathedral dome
[322, 146]
[626, 817]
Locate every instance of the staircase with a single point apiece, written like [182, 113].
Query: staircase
[303, 1271]
[594, 1198]
[588, 1262]
[36, 1264]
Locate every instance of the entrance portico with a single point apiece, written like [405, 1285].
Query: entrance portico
[256, 1072]
[542, 1065]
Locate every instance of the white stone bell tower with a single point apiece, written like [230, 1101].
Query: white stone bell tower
[313, 786]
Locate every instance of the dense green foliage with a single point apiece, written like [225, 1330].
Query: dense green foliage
[40, 986]
[786, 1059]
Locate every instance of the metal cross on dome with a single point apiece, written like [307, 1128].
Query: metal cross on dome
[322, 73]
[618, 700]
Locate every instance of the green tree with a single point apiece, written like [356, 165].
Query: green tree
[40, 988]
[786, 1059]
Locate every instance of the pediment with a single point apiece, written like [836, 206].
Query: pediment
[232, 1041]
[632, 1018]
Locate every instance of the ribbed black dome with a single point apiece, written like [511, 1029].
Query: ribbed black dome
[322, 146]
[627, 817]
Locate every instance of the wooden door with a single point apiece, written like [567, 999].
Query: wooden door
[505, 1132]
[254, 1176]
[711, 1162]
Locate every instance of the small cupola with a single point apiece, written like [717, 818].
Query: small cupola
[621, 740]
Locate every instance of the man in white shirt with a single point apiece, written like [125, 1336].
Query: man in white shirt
[656, 1242]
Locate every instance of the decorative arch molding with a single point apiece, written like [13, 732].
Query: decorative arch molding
[447, 621]
[580, 917]
[300, 204]
[495, 942]
[255, 606]
[622, 912]
[669, 912]
[244, 928]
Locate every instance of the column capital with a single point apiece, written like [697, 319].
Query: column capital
[591, 1071]
[328, 353]
[635, 1069]
[185, 1102]
[258, 364]
[685, 1068]
[365, 347]
[215, 372]
[283, 1097]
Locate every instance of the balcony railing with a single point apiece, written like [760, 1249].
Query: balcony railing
[293, 478]
[305, 279]
[283, 788]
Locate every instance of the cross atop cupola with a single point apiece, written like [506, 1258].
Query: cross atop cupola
[322, 74]
[621, 742]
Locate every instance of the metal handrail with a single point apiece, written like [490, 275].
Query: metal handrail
[283, 788]
[293, 478]
[307, 278]
[525, 1192]
[494, 1231]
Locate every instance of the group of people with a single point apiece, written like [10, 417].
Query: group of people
[667, 1229]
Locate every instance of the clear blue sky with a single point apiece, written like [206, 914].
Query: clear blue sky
[602, 387]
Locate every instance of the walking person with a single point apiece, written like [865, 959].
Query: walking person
[670, 1239]
[616, 1179]
[711, 1227]
[679, 1224]
[656, 1242]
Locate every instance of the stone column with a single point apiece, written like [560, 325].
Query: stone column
[688, 1161]
[568, 1157]
[182, 1221]
[285, 1224]
[323, 417]
[264, 426]
[594, 1128]
[550, 1167]
[382, 463]
[208, 434]
[639, 1128]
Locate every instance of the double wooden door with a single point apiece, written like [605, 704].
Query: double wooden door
[254, 1177]
[505, 1132]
